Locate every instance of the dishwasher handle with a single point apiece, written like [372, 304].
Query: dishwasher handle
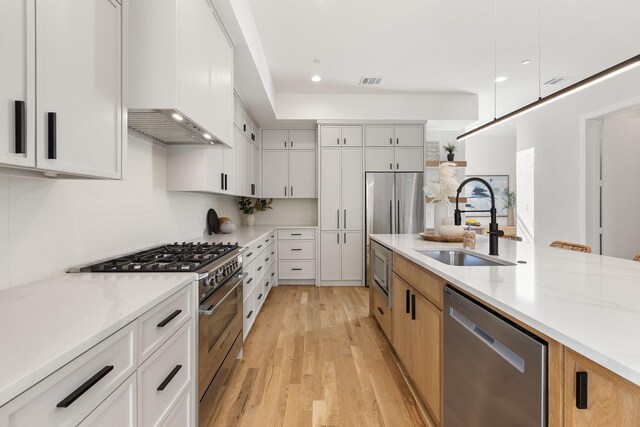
[503, 351]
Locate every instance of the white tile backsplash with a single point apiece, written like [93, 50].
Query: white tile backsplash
[48, 225]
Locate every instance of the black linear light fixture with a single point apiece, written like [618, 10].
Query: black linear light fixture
[582, 84]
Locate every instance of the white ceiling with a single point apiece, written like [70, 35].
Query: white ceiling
[437, 46]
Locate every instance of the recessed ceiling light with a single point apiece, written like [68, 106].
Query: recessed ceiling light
[316, 78]
[177, 116]
[526, 62]
[316, 61]
[501, 79]
[207, 136]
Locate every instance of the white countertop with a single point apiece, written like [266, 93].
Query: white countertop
[587, 302]
[46, 324]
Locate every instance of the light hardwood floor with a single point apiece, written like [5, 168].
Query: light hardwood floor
[315, 358]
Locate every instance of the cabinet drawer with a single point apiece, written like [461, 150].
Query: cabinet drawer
[250, 282]
[297, 249]
[259, 295]
[269, 279]
[163, 378]
[180, 415]
[67, 396]
[248, 312]
[162, 321]
[294, 270]
[297, 234]
[119, 409]
[381, 311]
[253, 251]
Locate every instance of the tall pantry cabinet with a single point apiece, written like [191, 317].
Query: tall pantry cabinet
[341, 204]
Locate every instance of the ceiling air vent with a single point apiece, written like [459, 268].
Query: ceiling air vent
[370, 81]
[557, 80]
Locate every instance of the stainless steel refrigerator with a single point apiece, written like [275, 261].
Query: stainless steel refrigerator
[394, 205]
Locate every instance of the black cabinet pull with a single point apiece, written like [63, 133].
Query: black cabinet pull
[244, 128]
[273, 274]
[169, 318]
[52, 129]
[296, 249]
[285, 144]
[260, 296]
[397, 140]
[250, 280]
[344, 141]
[267, 259]
[167, 380]
[21, 128]
[253, 189]
[296, 269]
[226, 187]
[296, 234]
[285, 191]
[338, 141]
[250, 313]
[582, 381]
[397, 165]
[380, 310]
[413, 307]
[292, 191]
[273, 252]
[249, 254]
[259, 246]
[259, 268]
[390, 141]
[291, 144]
[266, 284]
[222, 181]
[67, 401]
[390, 166]
[408, 308]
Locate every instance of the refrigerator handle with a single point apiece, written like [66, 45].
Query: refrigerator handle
[390, 217]
[398, 219]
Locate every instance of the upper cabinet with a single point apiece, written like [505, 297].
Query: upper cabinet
[76, 72]
[180, 61]
[394, 148]
[244, 122]
[293, 139]
[347, 136]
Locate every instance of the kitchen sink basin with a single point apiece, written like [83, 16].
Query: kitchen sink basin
[460, 258]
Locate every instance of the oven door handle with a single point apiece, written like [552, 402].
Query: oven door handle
[209, 311]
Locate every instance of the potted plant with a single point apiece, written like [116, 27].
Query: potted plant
[450, 148]
[509, 205]
[439, 192]
[250, 206]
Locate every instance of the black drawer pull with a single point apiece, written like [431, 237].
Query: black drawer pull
[266, 284]
[413, 307]
[408, 308]
[167, 380]
[259, 246]
[380, 310]
[250, 313]
[273, 252]
[296, 234]
[226, 187]
[296, 269]
[250, 280]
[222, 181]
[259, 268]
[267, 259]
[273, 274]
[67, 401]
[266, 241]
[21, 128]
[296, 249]
[169, 318]
[52, 129]
[249, 254]
[260, 296]
[582, 381]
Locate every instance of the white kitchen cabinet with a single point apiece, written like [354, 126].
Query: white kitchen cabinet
[119, 409]
[330, 245]
[79, 87]
[380, 136]
[399, 135]
[341, 255]
[409, 159]
[352, 255]
[17, 83]
[302, 139]
[275, 139]
[409, 136]
[230, 171]
[222, 99]
[244, 122]
[330, 183]
[256, 171]
[275, 173]
[352, 136]
[380, 159]
[240, 147]
[333, 136]
[352, 176]
[201, 169]
[302, 173]
[341, 176]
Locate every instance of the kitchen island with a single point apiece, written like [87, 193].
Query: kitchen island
[584, 305]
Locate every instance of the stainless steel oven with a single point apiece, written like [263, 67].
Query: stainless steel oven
[220, 340]
[381, 270]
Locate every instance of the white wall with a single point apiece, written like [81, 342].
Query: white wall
[557, 132]
[49, 225]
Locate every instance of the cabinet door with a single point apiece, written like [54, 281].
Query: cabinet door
[222, 104]
[230, 185]
[119, 409]
[330, 186]
[409, 136]
[409, 159]
[401, 320]
[426, 363]
[302, 174]
[257, 175]
[302, 139]
[215, 170]
[275, 139]
[330, 136]
[240, 147]
[194, 28]
[239, 115]
[352, 136]
[79, 69]
[352, 251]
[379, 136]
[275, 179]
[330, 245]
[249, 171]
[379, 159]
[352, 176]
[610, 400]
[17, 83]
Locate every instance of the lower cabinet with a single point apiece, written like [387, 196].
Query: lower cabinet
[296, 256]
[594, 396]
[119, 409]
[341, 256]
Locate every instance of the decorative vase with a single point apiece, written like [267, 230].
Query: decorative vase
[451, 156]
[440, 211]
[227, 227]
[251, 220]
[511, 217]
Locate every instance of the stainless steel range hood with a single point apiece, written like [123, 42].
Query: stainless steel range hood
[170, 127]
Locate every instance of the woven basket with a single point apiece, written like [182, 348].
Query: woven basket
[571, 246]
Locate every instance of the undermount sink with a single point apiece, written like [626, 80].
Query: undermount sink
[461, 258]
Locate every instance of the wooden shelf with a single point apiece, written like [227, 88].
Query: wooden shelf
[451, 199]
[436, 163]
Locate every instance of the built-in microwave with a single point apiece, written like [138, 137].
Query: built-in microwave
[381, 270]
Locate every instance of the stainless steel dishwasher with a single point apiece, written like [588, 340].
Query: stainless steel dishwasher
[495, 373]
